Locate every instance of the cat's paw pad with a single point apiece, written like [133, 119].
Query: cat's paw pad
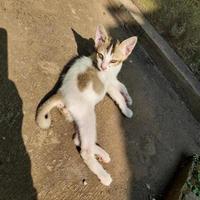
[128, 113]
[106, 179]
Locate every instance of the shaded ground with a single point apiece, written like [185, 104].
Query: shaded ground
[15, 166]
[178, 22]
[144, 150]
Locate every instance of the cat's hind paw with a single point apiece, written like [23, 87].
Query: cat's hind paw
[63, 110]
[106, 179]
[104, 158]
[101, 154]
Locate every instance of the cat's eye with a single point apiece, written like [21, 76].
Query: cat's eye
[113, 61]
[100, 55]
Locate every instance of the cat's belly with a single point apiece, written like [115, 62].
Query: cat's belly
[73, 96]
[90, 95]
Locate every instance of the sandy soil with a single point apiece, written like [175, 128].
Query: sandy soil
[36, 42]
[40, 42]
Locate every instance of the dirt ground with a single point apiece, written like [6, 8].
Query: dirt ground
[36, 41]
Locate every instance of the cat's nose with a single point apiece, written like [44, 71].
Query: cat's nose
[104, 66]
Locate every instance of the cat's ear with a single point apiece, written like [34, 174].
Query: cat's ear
[127, 46]
[101, 36]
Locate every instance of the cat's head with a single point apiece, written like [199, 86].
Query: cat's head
[109, 54]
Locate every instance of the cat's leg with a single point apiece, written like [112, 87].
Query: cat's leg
[86, 121]
[116, 95]
[125, 93]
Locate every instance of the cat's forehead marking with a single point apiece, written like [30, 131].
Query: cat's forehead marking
[105, 46]
[90, 75]
[110, 48]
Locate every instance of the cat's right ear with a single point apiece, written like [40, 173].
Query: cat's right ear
[101, 36]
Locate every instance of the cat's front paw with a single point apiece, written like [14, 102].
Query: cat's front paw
[128, 113]
[127, 98]
[106, 179]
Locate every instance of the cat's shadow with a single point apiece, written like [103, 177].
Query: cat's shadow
[85, 47]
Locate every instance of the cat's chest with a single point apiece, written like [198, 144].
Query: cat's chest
[91, 79]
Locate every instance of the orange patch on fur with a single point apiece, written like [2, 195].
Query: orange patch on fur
[118, 55]
[90, 75]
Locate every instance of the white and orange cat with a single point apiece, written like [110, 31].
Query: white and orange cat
[86, 83]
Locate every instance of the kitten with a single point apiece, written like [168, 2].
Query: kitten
[85, 84]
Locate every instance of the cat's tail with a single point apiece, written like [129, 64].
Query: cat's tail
[43, 117]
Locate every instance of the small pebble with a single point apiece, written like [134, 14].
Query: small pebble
[84, 182]
[148, 186]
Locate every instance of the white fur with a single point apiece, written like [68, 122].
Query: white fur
[81, 106]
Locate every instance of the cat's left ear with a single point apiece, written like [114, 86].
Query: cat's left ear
[101, 36]
[128, 45]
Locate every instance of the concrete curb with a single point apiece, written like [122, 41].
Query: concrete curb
[171, 65]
